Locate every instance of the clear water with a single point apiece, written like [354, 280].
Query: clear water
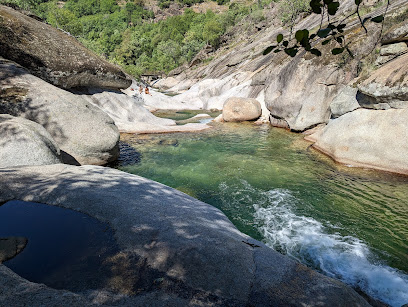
[349, 223]
[65, 250]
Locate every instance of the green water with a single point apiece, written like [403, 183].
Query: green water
[274, 187]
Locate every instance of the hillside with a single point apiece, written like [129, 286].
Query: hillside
[144, 36]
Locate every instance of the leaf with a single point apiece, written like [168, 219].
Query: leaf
[312, 36]
[299, 35]
[333, 7]
[305, 33]
[279, 38]
[291, 51]
[326, 41]
[339, 39]
[285, 43]
[358, 2]
[316, 52]
[323, 32]
[268, 50]
[331, 26]
[336, 51]
[327, 1]
[277, 50]
[316, 6]
[377, 19]
[306, 44]
[341, 26]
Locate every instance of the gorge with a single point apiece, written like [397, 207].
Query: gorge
[61, 103]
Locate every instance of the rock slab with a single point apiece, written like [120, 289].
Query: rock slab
[388, 85]
[367, 138]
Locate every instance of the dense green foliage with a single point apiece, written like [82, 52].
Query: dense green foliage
[127, 34]
[290, 10]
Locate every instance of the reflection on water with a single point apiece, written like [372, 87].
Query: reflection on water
[65, 250]
[345, 207]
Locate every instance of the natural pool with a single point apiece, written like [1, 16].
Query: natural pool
[66, 249]
[349, 223]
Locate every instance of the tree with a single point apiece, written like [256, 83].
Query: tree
[290, 9]
[327, 32]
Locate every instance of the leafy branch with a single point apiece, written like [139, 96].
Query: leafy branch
[333, 31]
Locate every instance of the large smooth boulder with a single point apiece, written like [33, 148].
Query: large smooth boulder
[173, 249]
[300, 92]
[367, 138]
[387, 87]
[83, 132]
[237, 109]
[23, 142]
[53, 55]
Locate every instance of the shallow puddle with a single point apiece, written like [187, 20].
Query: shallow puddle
[65, 249]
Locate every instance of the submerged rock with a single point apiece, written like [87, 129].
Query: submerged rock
[174, 249]
[241, 109]
[23, 142]
[53, 55]
[83, 132]
[10, 247]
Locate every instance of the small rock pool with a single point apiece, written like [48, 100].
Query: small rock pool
[64, 249]
[349, 223]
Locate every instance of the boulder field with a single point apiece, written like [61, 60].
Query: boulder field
[84, 133]
[174, 249]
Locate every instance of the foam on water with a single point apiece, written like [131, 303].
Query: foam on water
[343, 257]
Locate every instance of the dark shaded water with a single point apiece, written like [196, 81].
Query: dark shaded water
[349, 223]
[65, 250]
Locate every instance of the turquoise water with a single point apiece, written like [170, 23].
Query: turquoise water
[349, 223]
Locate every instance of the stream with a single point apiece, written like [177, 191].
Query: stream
[348, 223]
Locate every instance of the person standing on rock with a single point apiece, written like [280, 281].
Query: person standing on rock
[140, 90]
[147, 92]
